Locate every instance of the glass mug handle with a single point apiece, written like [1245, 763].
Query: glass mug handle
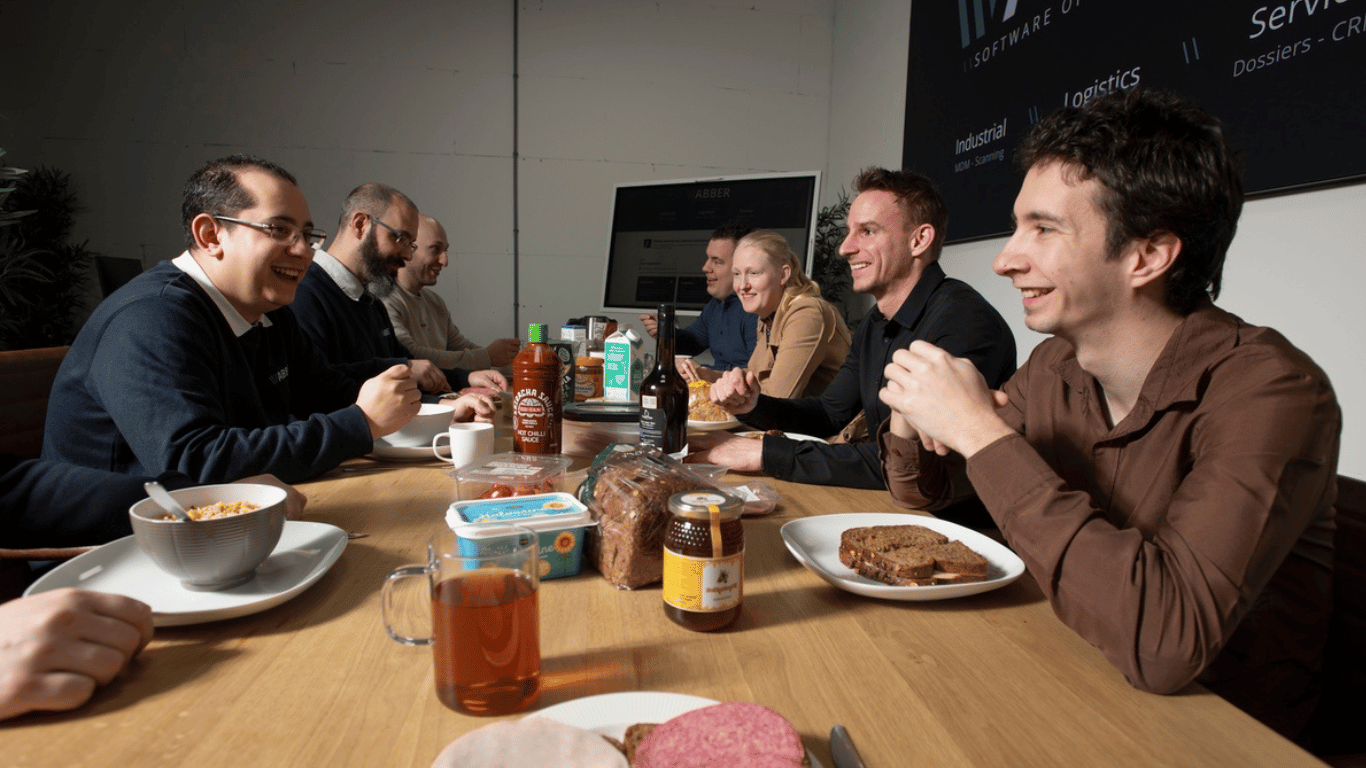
[387, 601]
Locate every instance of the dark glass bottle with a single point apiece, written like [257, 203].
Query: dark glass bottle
[664, 393]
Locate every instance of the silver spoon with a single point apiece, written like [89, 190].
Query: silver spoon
[163, 497]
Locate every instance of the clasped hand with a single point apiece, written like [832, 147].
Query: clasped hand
[941, 401]
[736, 392]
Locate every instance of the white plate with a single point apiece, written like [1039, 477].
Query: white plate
[382, 450]
[306, 551]
[815, 542]
[697, 425]
[790, 436]
[610, 714]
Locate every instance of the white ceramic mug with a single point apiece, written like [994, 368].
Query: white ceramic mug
[469, 441]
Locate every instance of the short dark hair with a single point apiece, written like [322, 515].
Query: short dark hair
[216, 190]
[732, 230]
[918, 197]
[1165, 166]
[373, 199]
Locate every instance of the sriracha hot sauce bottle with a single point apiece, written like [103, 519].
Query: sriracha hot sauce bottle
[664, 393]
[537, 397]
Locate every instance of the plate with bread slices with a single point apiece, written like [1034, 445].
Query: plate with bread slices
[698, 425]
[900, 556]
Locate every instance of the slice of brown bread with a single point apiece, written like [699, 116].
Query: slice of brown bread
[910, 555]
[905, 563]
[856, 543]
[633, 736]
[870, 571]
[957, 557]
[940, 577]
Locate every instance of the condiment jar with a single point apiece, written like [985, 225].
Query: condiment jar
[587, 378]
[704, 560]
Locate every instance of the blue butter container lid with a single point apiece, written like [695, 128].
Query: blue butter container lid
[539, 512]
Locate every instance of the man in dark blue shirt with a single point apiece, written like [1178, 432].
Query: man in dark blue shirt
[197, 365]
[724, 326]
[339, 300]
[896, 232]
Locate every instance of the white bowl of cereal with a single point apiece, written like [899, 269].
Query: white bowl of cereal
[236, 527]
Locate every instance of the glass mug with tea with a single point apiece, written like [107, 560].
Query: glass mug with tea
[486, 642]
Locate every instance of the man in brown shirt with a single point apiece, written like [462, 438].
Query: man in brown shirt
[1165, 470]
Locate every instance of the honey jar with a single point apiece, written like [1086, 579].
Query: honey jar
[704, 560]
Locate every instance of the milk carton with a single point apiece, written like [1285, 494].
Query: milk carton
[623, 365]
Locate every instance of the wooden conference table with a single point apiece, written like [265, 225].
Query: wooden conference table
[988, 680]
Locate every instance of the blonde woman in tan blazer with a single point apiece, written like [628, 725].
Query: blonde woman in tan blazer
[802, 340]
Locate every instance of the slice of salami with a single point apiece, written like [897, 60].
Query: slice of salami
[738, 734]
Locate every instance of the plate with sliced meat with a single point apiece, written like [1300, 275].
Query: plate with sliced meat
[610, 714]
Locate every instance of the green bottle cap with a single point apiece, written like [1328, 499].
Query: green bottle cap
[535, 333]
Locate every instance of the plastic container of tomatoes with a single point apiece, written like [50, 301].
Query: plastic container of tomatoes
[505, 475]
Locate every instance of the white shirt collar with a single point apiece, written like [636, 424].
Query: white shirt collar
[236, 322]
[347, 282]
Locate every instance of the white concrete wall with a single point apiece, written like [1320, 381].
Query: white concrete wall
[130, 97]
[617, 90]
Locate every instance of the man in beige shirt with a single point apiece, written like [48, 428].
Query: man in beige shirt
[423, 324]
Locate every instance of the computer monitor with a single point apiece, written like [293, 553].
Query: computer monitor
[660, 231]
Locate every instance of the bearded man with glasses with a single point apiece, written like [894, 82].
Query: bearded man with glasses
[195, 366]
[339, 301]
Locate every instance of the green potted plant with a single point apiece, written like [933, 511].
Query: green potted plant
[43, 277]
[828, 268]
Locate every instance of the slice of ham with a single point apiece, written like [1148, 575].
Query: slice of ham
[531, 741]
[735, 734]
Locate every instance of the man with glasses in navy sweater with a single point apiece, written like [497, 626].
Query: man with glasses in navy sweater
[196, 366]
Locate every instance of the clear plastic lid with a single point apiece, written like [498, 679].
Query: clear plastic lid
[511, 474]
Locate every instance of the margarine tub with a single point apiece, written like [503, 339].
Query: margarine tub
[558, 518]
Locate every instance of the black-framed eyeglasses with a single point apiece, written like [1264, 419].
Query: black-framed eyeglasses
[285, 233]
[403, 239]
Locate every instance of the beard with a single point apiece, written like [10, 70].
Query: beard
[379, 280]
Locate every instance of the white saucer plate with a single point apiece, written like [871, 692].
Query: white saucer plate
[386, 452]
[306, 551]
[815, 542]
[610, 714]
[753, 434]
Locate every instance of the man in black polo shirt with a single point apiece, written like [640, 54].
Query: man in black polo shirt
[896, 232]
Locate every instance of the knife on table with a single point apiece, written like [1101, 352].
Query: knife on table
[842, 749]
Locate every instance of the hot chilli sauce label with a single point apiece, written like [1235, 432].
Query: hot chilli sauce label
[533, 414]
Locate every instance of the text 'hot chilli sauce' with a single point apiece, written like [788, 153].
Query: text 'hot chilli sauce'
[704, 560]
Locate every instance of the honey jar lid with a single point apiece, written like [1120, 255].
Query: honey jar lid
[698, 504]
